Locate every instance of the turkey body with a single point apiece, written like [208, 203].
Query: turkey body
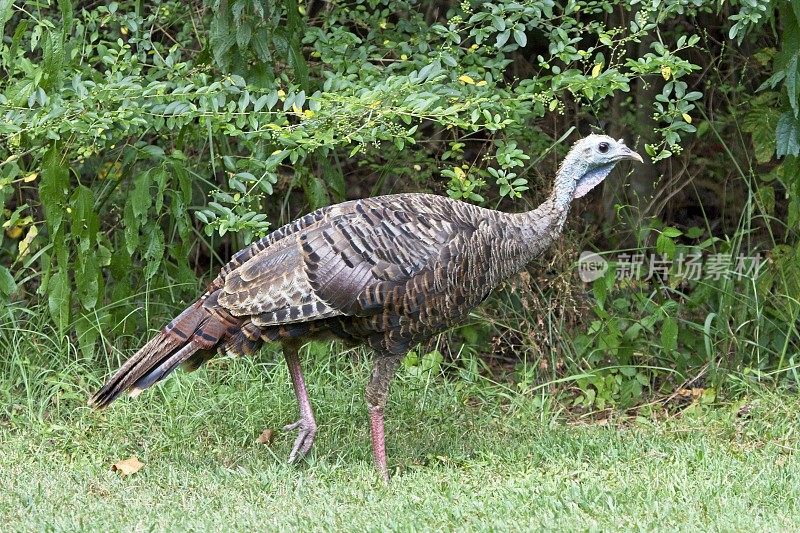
[388, 271]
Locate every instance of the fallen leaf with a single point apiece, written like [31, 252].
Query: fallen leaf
[14, 232]
[266, 437]
[26, 242]
[128, 466]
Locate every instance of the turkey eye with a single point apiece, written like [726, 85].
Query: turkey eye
[603, 147]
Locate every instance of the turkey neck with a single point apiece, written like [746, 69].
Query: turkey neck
[538, 228]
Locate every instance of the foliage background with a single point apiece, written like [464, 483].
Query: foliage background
[143, 143]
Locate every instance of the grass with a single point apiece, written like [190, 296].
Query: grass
[466, 455]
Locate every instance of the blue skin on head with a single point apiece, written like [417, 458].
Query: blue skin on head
[602, 153]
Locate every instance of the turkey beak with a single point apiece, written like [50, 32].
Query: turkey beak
[627, 153]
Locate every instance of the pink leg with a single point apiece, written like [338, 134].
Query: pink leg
[306, 425]
[383, 369]
[378, 441]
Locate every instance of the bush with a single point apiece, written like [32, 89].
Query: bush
[145, 143]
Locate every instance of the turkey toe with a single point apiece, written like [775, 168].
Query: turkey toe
[307, 431]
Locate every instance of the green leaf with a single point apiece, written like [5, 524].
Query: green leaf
[499, 23]
[85, 222]
[695, 232]
[7, 283]
[52, 60]
[761, 122]
[272, 99]
[600, 290]
[669, 334]
[520, 38]
[502, 38]
[243, 34]
[58, 299]
[53, 189]
[665, 246]
[160, 179]
[5, 13]
[21, 30]
[295, 29]
[222, 37]
[280, 42]
[672, 232]
[154, 151]
[259, 104]
[793, 216]
[131, 224]
[298, 63]
[86, 280]
[154, 253]
[140, 198]
[87, 332]
[67, 17]
[766, 197]
[315, 192]
[786, 136]
[261, 44]
[791, 82]
[333, 178]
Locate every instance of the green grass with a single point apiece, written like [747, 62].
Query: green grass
[465, 455]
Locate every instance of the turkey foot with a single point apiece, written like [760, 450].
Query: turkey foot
[306, 426]
[307, 430]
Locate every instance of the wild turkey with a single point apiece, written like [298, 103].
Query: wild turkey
[388, 272]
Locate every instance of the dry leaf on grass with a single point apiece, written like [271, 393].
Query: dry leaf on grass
[128, 466]
[266, 437]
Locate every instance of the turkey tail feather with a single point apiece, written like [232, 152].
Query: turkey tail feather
[199, 327]
[166, 367]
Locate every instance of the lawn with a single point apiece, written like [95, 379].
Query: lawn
[465, 455]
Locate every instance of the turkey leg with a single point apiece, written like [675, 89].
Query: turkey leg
[306, 425]
[383, 370]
